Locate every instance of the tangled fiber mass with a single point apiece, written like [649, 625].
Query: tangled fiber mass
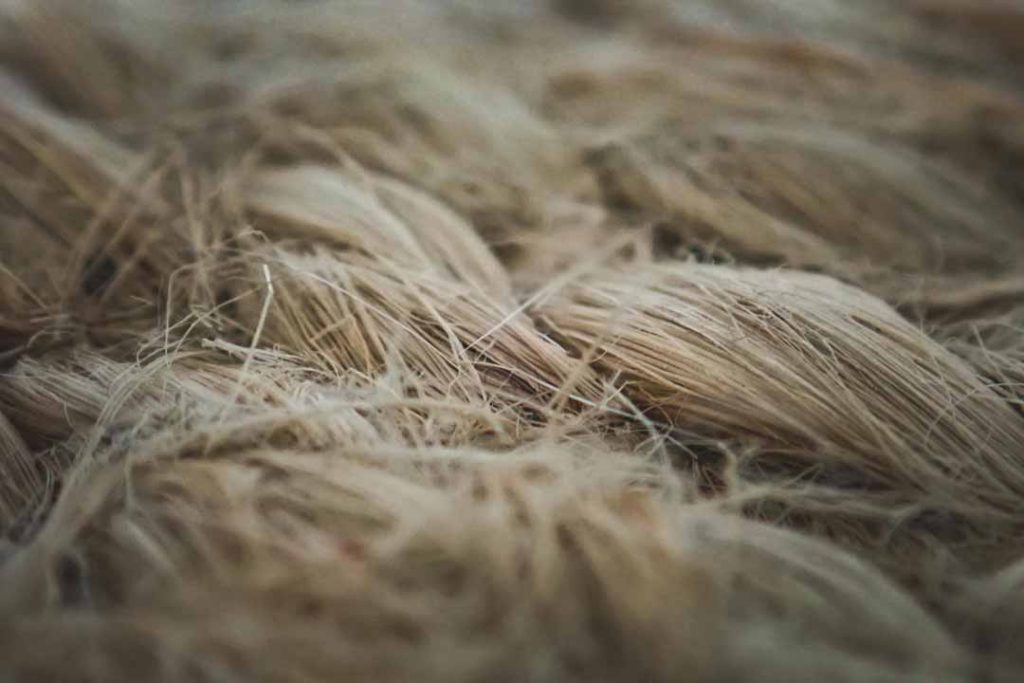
[533, 341]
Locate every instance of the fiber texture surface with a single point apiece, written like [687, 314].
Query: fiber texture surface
[526, 341]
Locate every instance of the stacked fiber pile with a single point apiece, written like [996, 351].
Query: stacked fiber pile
[531, 341]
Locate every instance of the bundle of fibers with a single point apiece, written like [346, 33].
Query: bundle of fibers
[533, 340]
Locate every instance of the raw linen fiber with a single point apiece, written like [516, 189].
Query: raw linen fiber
[521, 340]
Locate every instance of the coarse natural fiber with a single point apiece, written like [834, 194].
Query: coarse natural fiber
[554, 340]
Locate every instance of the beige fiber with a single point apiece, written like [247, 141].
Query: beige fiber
[512, 340]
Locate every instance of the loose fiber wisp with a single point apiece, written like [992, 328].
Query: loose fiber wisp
[533, 341]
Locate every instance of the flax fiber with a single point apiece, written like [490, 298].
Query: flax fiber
[527, 341]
